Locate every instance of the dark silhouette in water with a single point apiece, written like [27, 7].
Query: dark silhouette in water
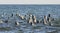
[49, 15]
[37, 21]
[17, 24]
[30, 20]
[48, 18]
[34, 19]
[12, 15]
[6, 21]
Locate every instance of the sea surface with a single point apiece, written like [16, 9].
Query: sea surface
[38, 10]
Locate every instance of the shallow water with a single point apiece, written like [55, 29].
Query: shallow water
[38, 10]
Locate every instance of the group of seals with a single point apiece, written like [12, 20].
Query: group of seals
[48, 19]
[32, 19]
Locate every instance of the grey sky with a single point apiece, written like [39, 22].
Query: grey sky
[29, 1]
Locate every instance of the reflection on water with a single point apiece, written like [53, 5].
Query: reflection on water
[24, 27]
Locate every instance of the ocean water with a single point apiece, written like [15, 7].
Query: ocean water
[38, 10]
